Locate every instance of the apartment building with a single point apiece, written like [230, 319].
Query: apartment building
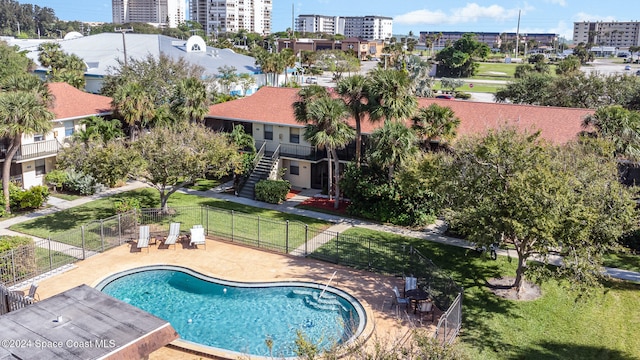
[165, 13]
[232, 15]
[492, 39]
[617, 34]
[363, 27]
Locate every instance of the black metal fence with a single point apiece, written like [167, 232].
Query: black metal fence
[287, 237]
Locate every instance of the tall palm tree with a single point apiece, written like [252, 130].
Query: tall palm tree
[327, 128]
[391, 95]
[619, 125]
[392, 145]
[436, 123]
[307, 95]
[354, 91]
[134, 104]
[21, 113]
[190, 100]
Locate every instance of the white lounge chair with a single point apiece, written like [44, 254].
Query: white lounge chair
[143, 238]
[174, 234]
[197, 237]
[410, 283]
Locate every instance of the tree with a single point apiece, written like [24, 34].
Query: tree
[532, 88]
[338, 62]
[21, 113]
[436, 123]
[391, 95]
[452, 84]
[620, 126]
[96, 127]
[174, 157]
[326, 128]
[354, 91]
[134, 105]
[457, 60]
[13, 61]
[568, 65]
[391, 146]
[227, 77]
[64, 67]
[190, 100]
[515, 190]
[419, 71]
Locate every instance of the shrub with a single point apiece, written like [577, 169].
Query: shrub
[33, 198]
[56, 179]
[81, 183]
[272, 191]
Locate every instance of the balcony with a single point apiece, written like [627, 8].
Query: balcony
[33, 151]
[308, 153]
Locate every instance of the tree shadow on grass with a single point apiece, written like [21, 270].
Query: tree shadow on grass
[550, 350]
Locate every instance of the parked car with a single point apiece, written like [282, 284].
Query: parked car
[445, 96]
[638, 73]
[312, 80]
[628, 67]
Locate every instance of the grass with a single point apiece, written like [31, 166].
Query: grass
[478, 87]
[496, 71]
[65, 220]
[555, 326]
[623, 261]
[68, 197]
[205, 184]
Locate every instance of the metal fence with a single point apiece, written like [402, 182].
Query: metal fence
[287, 237]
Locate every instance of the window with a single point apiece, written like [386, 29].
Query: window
[40, 168]
[37, 138]
[268, 132]
[68, 128]
[294, 168]
[294, 135]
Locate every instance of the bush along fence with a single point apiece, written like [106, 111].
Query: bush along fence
[286, 237]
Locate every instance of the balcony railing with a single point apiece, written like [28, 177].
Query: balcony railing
[35, 150]
[304, 152]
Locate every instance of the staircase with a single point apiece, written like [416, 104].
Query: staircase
[328, 302]
[260, 172]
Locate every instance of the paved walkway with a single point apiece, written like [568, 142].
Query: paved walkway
[433, 232]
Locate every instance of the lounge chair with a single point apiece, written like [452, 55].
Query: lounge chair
[174, 234]
[197, 237]
[32, 295]
[143, 238]
[397, 300]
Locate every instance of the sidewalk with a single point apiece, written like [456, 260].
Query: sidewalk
[432, 233]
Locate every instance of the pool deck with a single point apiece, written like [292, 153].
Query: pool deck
[239, 263]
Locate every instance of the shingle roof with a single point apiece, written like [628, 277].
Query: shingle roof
[72, 103]
[557, 125]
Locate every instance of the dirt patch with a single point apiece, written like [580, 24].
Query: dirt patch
[501, 287]
[325, 204]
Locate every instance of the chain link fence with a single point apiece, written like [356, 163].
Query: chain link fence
[287, 237]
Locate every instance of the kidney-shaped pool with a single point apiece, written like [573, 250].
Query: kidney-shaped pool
[261, 319]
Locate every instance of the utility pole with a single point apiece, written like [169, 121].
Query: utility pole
[518, 34]
[124, 43]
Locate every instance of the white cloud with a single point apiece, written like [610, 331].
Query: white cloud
[471, 13]
[562, 3]
[588, 17]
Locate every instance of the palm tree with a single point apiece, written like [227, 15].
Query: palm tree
[327, 128]
[190, 100]
[307, 95]
[390, 95]
[354, 91]
[21, 113]
[619, 125]
[435, 123]
[392, 145]
[132, 102]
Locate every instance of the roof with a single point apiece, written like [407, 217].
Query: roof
[83, 323]
[558, 125]
[71, 103]
[101, 52]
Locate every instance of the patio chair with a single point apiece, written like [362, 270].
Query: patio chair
[174, 234]
[425, 307]
[143, 238]
[33, 295]
[197, 237]
[397, 300]
[410, 283]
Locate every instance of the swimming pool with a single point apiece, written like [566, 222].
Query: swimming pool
[240, 317]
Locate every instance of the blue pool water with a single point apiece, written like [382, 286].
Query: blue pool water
[239, 317]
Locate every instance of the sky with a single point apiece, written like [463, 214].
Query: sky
[536, 16]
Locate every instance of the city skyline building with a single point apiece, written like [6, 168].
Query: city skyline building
[232, 15]
[368, 27]
[619, 34]
[163, 13]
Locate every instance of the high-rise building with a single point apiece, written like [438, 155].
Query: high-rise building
[615, 33]
[232, 15]
[168, 13]
[362, 27]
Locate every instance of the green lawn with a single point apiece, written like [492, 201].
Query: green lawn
[623, 261]
[478, 87]
[62, 221]
[556, 326]
[68, 197]
[205, 184]
[495, 71]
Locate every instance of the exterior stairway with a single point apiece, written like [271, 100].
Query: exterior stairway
[260, 172]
